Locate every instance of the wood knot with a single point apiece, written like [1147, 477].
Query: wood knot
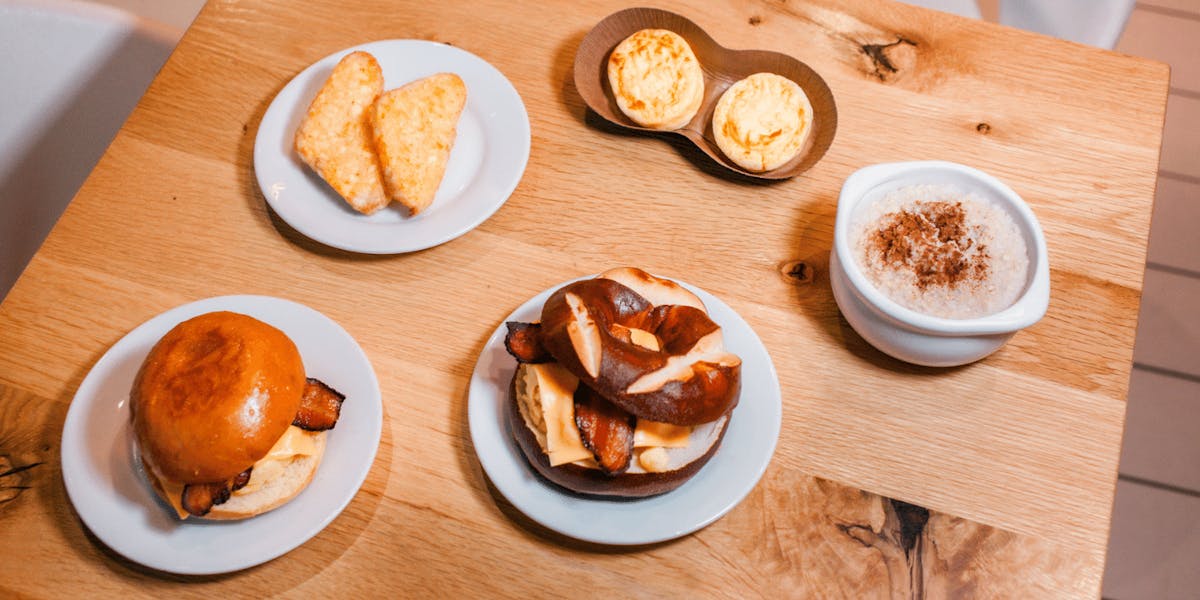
[983, 128]
[798, 271]
[886, 61]
[12, 482]
[755, 20]
[912, 520]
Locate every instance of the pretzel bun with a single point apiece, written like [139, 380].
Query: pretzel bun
[214, 395]
[582, 477]
[689, 380]
[624, 388]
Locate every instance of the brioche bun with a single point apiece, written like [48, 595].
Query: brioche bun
[277, 491]
[217, 395]
[214, 395]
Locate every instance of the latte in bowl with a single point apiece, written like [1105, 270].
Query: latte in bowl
[937, 263]
[941, 251]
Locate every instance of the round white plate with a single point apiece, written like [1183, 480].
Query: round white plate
[731, 473]
[113, 497]
[487, 160]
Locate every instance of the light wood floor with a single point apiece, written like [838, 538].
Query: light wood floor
[1154, 549]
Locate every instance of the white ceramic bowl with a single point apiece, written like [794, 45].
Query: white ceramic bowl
[907, 334]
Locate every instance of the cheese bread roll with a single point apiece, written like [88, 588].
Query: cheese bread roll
[334, 139]
[415, 127]
[762, 121]
[656, 79]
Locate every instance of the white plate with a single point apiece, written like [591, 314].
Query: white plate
[731, 473]
[113, 497]
[487, 160]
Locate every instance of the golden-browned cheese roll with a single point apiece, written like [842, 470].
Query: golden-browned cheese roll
[761, 122]
[656, 79]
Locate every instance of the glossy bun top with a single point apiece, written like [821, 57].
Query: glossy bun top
[213, 395]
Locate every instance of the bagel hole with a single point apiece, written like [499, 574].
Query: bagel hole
[635, 336]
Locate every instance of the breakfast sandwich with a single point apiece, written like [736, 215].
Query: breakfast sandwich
[334, 139]
[228, 424]
[623, 388]
[656, 79]
[413, 129]
[761, 122]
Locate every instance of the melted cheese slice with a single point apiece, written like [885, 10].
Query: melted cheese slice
[652, 434]
[552, 417]
[554, 389]
[649, 434]
[174, 493]
[294, 442]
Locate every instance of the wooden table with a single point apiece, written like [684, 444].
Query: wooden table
[992, 479]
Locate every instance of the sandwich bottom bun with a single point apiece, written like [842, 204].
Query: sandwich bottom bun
[635, 483]
[273, 493]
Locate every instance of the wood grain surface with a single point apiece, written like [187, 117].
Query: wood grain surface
[1002, 472]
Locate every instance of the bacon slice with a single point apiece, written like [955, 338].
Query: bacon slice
[241, 480]
[524, 342]
[320, 407]
[199, 498]
[604, 429]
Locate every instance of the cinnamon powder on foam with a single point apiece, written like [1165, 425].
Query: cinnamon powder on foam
[931, 239]
[938, 250]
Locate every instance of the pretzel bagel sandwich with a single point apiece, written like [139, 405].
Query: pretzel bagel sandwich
[624, 388]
